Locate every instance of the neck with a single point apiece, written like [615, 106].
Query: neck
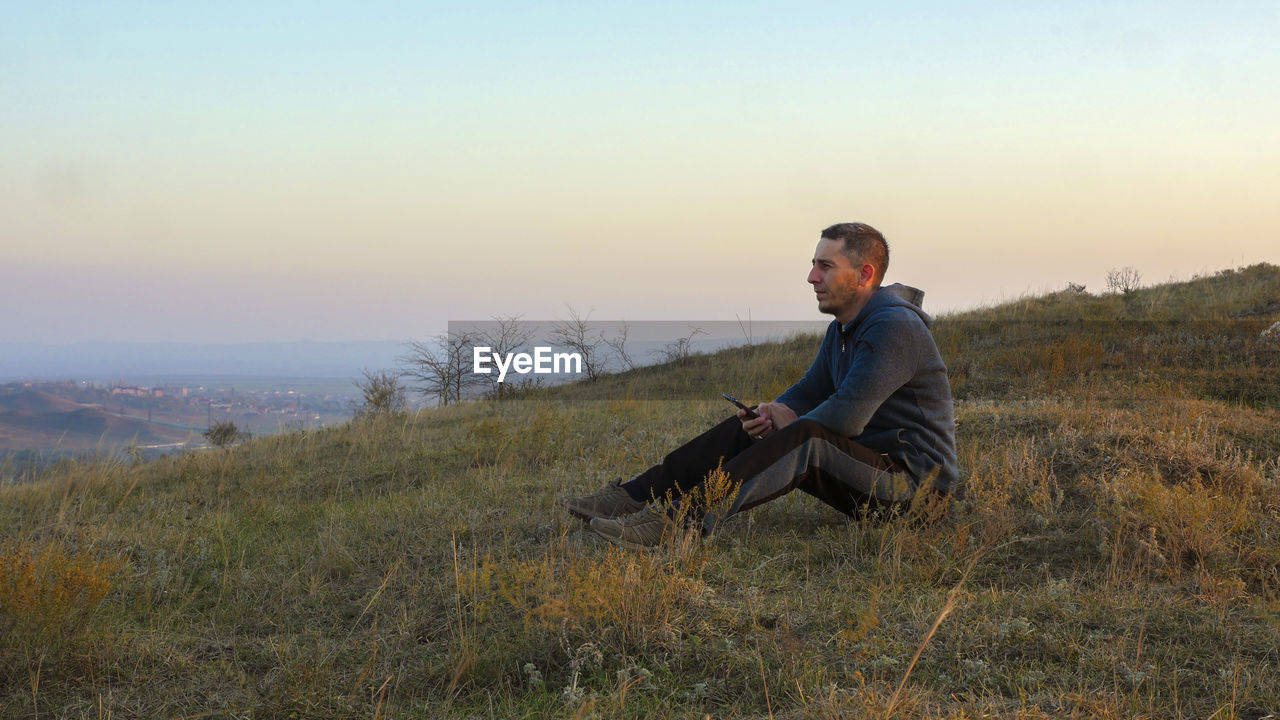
[846, 316]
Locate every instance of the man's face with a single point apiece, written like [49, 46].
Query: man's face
[836, 281]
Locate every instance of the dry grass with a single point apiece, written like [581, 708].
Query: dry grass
[47, 595]
[1115, 551]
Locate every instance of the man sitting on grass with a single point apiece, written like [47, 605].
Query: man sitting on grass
[868, 424]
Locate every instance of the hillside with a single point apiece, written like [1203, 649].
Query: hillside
[1114, 552]
[30, 418]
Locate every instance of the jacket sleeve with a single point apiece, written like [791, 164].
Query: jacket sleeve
[885, 356]
[814, 386]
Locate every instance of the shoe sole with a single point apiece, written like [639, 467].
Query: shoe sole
[619, 540]
[625, 543]
[586, 517]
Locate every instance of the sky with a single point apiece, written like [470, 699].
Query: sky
[250, 171]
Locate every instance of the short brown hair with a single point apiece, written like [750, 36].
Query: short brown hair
[863, 244]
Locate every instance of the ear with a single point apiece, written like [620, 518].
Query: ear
[867, 272]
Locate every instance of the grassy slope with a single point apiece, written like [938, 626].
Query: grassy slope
[1120, 526]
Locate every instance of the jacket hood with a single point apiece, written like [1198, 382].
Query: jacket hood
[895, 295]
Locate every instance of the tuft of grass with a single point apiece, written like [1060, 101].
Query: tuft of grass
[47, 597]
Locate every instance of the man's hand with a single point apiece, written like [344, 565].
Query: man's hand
[771, 416]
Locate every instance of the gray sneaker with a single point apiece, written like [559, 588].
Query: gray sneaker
[610, 502]
[638, 531]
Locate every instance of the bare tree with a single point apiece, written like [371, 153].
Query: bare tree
[619, 345]
[505, 338]
[576, 334]
[441, 367]
[1123, 280]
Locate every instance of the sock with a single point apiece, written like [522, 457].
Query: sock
[639, 490]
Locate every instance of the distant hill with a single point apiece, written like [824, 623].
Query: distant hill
[1249, 293]
[27, 403]
[34, 419]
[115, 360]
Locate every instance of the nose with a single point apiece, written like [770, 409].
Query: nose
[815, 277]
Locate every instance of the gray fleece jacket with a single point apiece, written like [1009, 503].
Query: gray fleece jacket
[880, 381]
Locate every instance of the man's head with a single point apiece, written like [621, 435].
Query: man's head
[864, 245]
[848, 265]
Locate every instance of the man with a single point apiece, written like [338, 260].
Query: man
[867, 425]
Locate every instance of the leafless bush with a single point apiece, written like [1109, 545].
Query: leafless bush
[224, 433]
[1123, 280]
[618, 344]
[382, 393]
[680, 349]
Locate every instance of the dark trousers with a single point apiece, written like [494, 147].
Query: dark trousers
[805, 455]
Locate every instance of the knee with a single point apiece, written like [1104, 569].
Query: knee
[805, 428]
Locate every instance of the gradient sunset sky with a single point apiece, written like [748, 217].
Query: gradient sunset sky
[240, 171]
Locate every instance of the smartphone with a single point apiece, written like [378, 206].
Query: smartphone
[750, 413]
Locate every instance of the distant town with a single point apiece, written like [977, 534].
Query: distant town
[42, 422]
[258, 405]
